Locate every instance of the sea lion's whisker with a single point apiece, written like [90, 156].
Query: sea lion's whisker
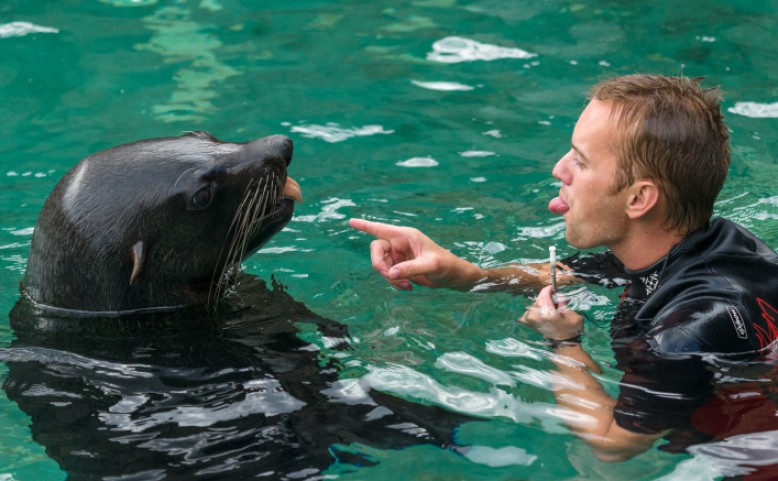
[250, 217]
[257, 203]
[218, 279]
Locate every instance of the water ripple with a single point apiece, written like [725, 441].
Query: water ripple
[262, 396]
[329, 211]
[734, 456]
[465, 364]
[511, 347]
[405, 381]
[66, 360]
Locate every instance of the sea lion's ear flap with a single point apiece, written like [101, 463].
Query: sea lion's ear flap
[138, 258]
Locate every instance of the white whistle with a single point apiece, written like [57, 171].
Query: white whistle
[552, 255]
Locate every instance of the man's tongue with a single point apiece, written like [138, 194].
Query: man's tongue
[558, 206]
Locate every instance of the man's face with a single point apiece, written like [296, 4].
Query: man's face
[594, 216]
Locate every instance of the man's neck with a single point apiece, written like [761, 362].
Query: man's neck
[646, 248]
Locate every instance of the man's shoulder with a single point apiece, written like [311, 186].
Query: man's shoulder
[716, 294]
[727, 237]
[722, 260]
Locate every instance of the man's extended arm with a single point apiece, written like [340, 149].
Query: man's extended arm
[405, 256]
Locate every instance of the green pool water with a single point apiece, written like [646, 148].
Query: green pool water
[442, 114]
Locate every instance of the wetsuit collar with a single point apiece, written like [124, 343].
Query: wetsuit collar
[645, 282]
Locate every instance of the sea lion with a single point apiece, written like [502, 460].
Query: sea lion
[138, 392]
[157, 224]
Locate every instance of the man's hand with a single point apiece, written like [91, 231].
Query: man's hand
[552, 321]
[405, 256]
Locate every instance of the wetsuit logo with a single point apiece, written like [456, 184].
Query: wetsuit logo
[651, 282]
[737, 321]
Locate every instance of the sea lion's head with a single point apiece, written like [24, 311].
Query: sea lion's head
[158, 223]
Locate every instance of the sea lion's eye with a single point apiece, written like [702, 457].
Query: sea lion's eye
[201, 199]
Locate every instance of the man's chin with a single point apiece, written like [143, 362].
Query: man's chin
[577, 242]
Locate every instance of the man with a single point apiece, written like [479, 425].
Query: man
[649, 154]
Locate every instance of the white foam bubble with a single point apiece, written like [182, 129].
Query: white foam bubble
[500, 457]
[755, 110]
[418, 162]
[333, 132]
[20, 29]
[459, 49]
[442, 86]
[476, 153]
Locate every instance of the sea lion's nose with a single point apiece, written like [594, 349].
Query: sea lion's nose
[273, 146]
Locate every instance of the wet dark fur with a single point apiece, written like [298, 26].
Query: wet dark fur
[156, 223]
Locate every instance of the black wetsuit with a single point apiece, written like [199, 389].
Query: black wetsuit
[715, 292]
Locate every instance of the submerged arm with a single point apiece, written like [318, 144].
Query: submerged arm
[577, 389]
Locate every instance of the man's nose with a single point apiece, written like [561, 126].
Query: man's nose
[562, 171]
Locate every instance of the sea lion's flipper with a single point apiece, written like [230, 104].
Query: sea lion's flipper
[138, 258]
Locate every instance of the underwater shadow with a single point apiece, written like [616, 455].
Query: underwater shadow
[192, 395]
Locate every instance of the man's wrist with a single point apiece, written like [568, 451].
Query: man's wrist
[571, 341]
[471, 276]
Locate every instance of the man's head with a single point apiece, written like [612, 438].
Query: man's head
[671, 131]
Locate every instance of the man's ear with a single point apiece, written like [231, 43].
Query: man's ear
[643, 198]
